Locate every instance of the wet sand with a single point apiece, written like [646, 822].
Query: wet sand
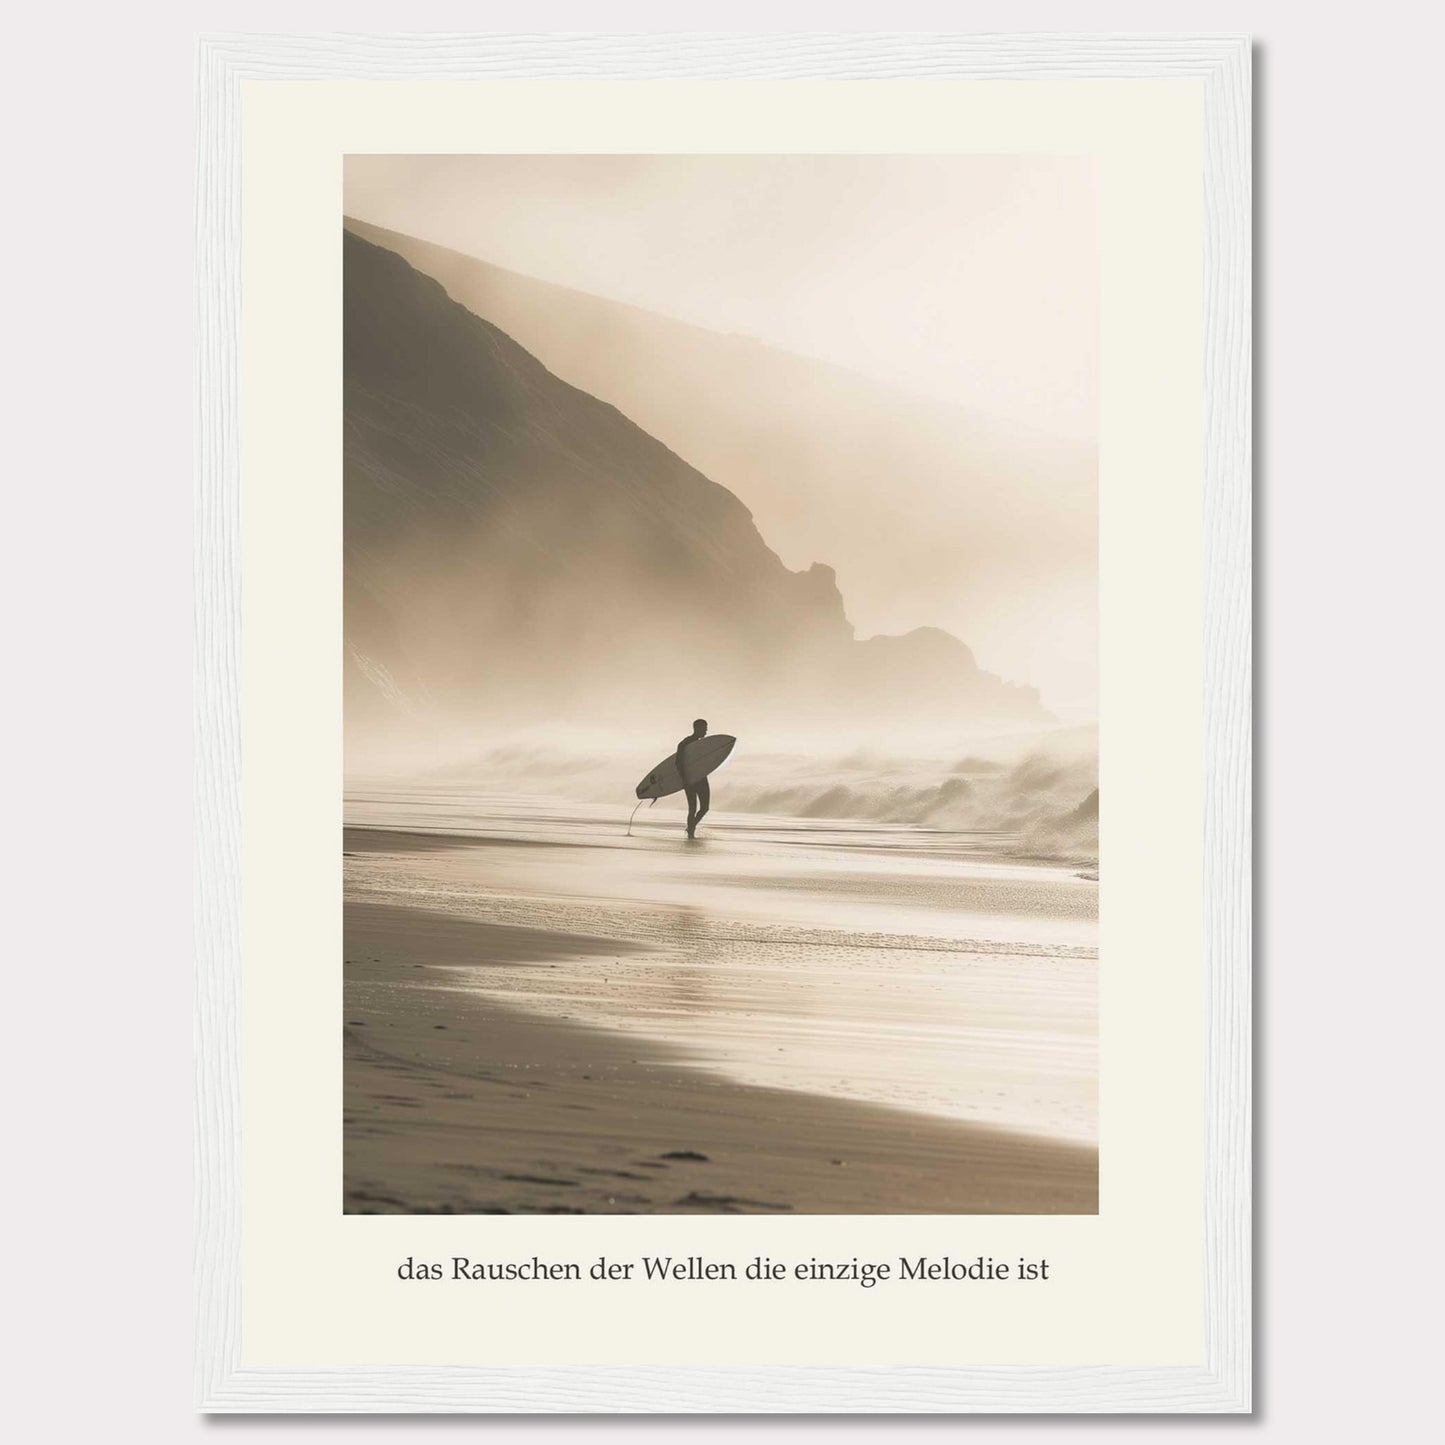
[543, 1015]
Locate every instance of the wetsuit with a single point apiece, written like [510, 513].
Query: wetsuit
[698, 793]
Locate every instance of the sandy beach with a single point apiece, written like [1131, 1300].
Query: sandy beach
[545, 1015]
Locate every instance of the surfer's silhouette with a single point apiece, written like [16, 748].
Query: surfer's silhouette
[698, 794]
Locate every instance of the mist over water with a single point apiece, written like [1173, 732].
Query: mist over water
[1027, 794]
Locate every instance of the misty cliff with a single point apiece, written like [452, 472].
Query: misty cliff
[990, 529]
[515, 547]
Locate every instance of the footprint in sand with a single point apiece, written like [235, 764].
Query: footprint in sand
[728, 1202]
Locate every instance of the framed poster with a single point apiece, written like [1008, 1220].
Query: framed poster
[724, 718]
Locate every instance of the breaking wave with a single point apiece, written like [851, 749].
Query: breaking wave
[1037, 802]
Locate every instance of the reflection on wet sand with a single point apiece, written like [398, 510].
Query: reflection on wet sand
[840, 1019]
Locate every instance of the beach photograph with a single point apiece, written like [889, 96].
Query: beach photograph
[721, 805]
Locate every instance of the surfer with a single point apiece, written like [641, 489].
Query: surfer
[685, 770]
[698, 793]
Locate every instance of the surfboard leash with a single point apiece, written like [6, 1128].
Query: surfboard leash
[640, 802]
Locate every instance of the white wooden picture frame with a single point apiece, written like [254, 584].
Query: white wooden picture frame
[1220, 1382]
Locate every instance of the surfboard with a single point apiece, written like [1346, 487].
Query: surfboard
[701, 757]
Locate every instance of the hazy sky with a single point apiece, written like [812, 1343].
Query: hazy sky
[973, 279]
